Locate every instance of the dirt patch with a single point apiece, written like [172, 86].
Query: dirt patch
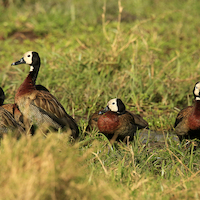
[23, 35]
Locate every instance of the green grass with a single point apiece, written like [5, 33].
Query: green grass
[147, 55]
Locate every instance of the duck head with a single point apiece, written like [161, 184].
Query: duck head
[196, 91]
[31, 58]
[114, 105]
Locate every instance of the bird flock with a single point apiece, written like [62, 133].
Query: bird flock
[36, 108]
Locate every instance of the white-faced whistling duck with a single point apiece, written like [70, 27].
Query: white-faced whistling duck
[187, 124]
[39, 107]
[115, 122]
[8, 112]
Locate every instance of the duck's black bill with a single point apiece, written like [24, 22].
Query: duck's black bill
[21, 61]
[104, 110]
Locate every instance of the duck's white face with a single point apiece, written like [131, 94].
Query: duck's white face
[31, 58]
[197, 91]
[28, 57]
[112, 105]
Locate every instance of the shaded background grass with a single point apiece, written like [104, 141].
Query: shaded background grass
[147, 54]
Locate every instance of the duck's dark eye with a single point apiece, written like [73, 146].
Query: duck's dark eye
[113, 103]
[29, 56]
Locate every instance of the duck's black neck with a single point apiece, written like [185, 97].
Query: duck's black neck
[34, 72]
[2, 96]
[121, 113]
[197, 108]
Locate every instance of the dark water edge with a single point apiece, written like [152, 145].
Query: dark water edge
[155, 136]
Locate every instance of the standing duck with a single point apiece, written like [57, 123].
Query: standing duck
[7, 120]
[8, 123]
[11, 108]
[187, 124]
[39, 107]
[115, 122]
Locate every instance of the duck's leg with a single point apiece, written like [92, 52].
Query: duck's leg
[113, 139]
[28, 126]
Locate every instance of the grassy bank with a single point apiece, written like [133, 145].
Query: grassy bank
[146, 53]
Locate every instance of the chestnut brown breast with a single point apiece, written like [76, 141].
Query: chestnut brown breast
[120, 125]
[194, 122]
[187, 124]
[108, 122]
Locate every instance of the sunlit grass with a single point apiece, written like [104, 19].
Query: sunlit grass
[144, 52]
